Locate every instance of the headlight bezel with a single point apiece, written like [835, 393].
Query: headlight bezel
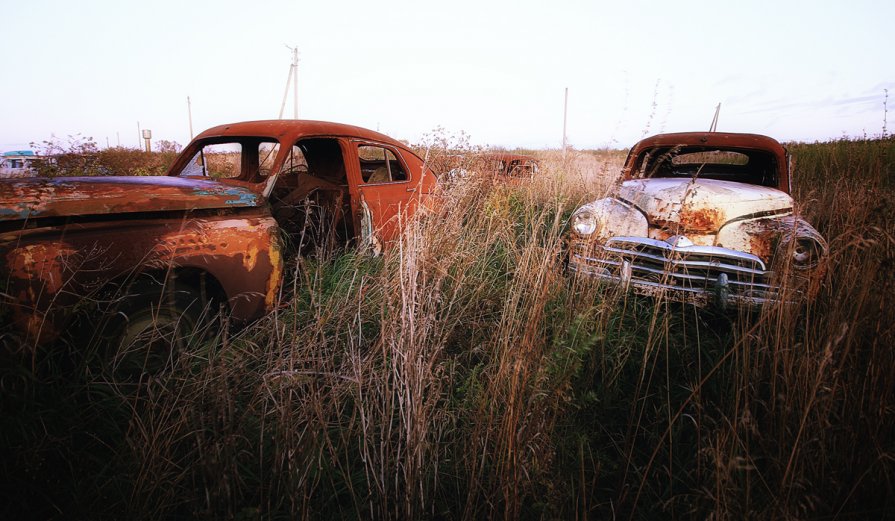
[805, 253]
[583, 222]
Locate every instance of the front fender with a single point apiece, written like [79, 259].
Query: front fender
[769, 238]
[615, 218]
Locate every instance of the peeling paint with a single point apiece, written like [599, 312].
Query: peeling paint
[40, 197]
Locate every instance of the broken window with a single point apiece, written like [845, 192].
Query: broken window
[380, 165]
[711, 157]
[743, 166]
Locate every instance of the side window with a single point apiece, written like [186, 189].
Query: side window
[380, 165]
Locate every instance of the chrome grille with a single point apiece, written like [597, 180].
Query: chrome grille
[689, 268]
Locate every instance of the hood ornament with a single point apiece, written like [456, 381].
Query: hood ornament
[679, 241]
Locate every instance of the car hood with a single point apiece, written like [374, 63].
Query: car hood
[65, 196]
[701, 205]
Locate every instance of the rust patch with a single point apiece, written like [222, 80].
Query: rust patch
[764, 236]
[664, 231]
[276, 263]
[38, 272]
[689, 221]
[762, 245]
[701, 219]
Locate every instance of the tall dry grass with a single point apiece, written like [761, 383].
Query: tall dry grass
[462, 375]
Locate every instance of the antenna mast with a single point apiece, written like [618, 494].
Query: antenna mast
[189, 111]
[714, 126]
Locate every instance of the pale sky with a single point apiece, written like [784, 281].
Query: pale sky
[497, 71]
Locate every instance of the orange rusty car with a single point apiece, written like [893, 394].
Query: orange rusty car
[511, 166]
[701, 217]
[238, 201]
[498, 166]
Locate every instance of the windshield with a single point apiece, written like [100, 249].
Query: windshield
[244, 159]
[742, 165]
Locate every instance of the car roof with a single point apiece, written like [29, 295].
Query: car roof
[285, 129]
[714, 139]
[506, 156]
[720, 140]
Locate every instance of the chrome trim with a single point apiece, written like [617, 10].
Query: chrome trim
[702, 275]
[717, 251]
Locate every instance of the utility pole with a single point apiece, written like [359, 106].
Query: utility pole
[295, 83]
[565, 114]
[189, 111]
[293, 79]
[139, 135]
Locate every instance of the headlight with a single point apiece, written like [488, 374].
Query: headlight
[806, 253]
[584, 222]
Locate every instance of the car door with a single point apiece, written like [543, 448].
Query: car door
[385, 184]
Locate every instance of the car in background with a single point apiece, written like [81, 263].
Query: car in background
[701, 217]
[504, 165]
[19, 163]
[497, 166]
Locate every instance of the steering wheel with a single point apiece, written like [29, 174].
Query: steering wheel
[297, 169]
[307, 184]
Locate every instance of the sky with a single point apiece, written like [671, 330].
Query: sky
[495, 71]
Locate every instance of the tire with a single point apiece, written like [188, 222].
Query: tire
[149, 328]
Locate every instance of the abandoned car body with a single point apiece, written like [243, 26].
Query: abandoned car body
[499, 167]
[235, 203]
[705, 218]
[511, 166]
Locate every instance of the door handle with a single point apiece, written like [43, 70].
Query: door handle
[411, 189]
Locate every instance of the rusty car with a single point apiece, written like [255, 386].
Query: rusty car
[235, 204]
[501, 167]
[505, 165]
[701, 217]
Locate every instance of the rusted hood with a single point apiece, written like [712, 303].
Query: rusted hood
[63, 196]
[703, 205]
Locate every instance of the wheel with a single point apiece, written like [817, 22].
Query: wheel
[149, 327]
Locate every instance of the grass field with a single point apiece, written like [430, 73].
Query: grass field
[463, 376]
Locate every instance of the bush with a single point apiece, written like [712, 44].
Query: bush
[79, 156]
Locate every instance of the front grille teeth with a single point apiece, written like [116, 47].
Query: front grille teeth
[688, 268]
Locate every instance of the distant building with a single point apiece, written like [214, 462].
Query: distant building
[18, 163]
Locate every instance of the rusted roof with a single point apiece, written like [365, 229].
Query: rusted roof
[506, 156]
[283, 129]
[714, 139]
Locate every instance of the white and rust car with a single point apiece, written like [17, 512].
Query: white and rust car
[701, 217]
